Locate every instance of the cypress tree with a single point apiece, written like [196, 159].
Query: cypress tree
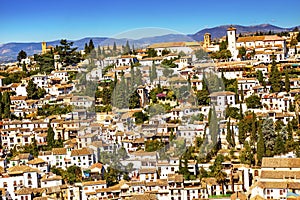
[242, 93]
[1, 105]
[115, 47]
[50, 137]
[260, 146]
[91, 45]
[99, 51]
[6, 103]
[279, 147]
[229, 136]
[86, 49]
[274, 78]
[287, 81]
[233, 136]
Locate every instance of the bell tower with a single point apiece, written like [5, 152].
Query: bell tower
[231, 37]
[207, 40]
[44, 47]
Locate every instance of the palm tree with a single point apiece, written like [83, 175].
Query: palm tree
[221, 178]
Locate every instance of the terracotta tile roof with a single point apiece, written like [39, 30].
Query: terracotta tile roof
[259, 38]
[159, 182]
[231, 28]
[136, 183]
[100, 182]
[148, 170]
[279, 185]
[80, 152]
[112, 188]
[210, 181]
[222, 93]
[53, 189]
[143, 153]
[21, 169]
[16, 98]
[23, 156]
[280, 163]
[175, 178]
[96, 165]
[167, 44]
[51, 178]
[146, 196]
[36, 161]
[24, 191]
[280, 174]
[59, 151]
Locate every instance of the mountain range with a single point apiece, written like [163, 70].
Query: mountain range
[9, 51]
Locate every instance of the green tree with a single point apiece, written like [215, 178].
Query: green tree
[138, 77]
[274, 77]
[151, 52]
[45, 62]
[200, 54]
[253, 136]
[153, 72]
[223, 45]
[298, 37]
[121, 94]
[232, 112]
[31, 90]
[134, 100]
[290, 143]
[253, 102]
[269, 134]
[242, 52]
[203, 97]
[50, 137]
[24, 69]
[229, 135]
[140, 117]
[217, 170]
[126, 49]
[165, 52]
[115, 47]
[6, 104]
[21, 55]
[246, 156]
[260, 76]
[260, 146]
[214, 126]
[181, 54]
[279, 147]
[287, 81]
[74, 174]
[167, 72]
[91, 45]
[86, 48]
[68, 54]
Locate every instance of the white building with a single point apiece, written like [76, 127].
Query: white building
[231, 35]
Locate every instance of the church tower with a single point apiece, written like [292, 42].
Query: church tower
[231, 37]
[207, 40]
[44, 47]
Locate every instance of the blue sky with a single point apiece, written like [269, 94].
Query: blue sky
[38, 20]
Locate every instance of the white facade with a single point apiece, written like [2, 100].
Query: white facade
[231, 35]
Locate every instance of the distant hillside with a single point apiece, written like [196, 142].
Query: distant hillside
[220, 31]
[9, 51]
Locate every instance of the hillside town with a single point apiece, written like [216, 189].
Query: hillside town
[210, 119]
